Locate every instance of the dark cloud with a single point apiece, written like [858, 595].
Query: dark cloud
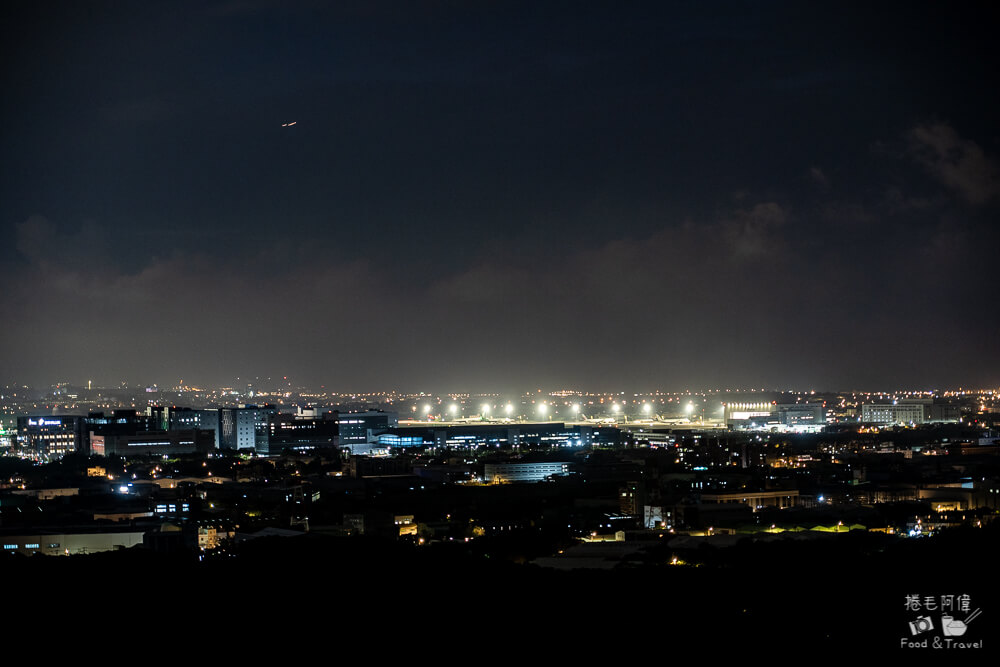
[745, 298]
[497, 195]
[819, 177]
[958, 163]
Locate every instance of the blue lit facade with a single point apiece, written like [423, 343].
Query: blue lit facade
[396, 440]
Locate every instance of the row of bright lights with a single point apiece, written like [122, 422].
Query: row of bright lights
[543, 408]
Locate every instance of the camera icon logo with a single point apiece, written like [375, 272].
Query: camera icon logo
[921, 624]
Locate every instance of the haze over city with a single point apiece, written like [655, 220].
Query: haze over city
[497, 197]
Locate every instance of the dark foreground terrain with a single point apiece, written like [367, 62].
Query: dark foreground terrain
[840, 596]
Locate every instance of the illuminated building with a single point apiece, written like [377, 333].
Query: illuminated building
[245, 427]
[630, 498]
[186, 418]
[358, 428]
[909, 411]
[301, 431]
[750, 415]
[397, 440]
[801, 416]
[771, 416]
[657, 517]
[154, 443]
[902, 412]
[68, 542]
[46, 437]
[551, 434]
[524, 472]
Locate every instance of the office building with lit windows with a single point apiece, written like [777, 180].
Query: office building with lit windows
[186, 418]
[245, 427]
[524, 472]
[302, 432]
[46, 438]
[903, 412]
[359, 428]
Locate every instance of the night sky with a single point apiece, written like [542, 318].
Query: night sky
[501, 196]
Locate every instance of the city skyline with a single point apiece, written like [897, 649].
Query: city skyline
[269, 386]
[364, 323]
